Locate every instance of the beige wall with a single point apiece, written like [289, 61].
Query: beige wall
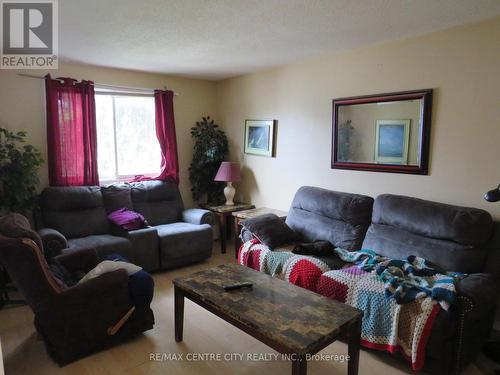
[22, 105]
[463, 67]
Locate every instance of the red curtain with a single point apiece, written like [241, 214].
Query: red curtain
[165, 132]
[71, 132]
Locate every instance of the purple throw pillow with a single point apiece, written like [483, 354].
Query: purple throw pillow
[127, 219]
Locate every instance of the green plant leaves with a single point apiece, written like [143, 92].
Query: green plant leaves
[210, 150]
[18, 172]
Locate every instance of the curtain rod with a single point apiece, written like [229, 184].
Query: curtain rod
[101, 84]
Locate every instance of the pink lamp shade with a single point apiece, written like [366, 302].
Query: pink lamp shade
[228, 171]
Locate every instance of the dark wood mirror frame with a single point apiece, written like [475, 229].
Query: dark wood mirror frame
[426, 113]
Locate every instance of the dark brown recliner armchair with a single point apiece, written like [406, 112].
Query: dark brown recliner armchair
[73, 321]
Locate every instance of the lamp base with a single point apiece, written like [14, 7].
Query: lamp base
[229, 192]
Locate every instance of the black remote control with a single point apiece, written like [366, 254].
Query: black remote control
[237, 286]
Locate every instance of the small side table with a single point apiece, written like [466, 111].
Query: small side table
[223, 213]
[239, 216]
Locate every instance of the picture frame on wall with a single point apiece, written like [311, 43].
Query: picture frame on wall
[392, 141]
[259, 137]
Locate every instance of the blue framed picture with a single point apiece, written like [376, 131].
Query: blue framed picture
[391, 141]
[259, 137]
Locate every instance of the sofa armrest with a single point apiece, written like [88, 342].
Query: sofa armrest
[142, 232]
[198, 216]
[481, 289]
[492, 264]
[53, 242]
[91, 308]
[79, 260]
[145, 242]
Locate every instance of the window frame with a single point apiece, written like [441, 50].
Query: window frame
[113, 94]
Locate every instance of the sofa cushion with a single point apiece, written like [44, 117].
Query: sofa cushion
[452, 238]
[159, 202]
[117, 196]
[463, 225]
[340, 218]
[67, 208]
[105, 244]
[179, 240]
[270, 230]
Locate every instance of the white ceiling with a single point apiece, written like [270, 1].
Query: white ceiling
[217, 39]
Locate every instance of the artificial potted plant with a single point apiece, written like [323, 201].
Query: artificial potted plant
[19, 163]
[210, 150]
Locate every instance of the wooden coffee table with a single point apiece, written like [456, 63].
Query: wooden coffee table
[289, 319]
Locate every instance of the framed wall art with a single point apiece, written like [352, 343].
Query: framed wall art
[259, 137]
[383, 132]
[391, 141]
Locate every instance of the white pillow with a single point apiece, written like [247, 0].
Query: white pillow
[110, 266]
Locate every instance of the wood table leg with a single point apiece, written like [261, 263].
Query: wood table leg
[229, 226]
[223, 232]
[178, 313]
[299, 366]
[237, 240]
[353, 345]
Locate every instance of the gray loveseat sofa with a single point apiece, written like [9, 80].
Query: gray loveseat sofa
[452, 238]
[72, 218]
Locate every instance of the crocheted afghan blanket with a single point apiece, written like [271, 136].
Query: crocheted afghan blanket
[407, 279]
[388, 324]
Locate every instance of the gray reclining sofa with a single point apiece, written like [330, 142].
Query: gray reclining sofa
[452, 238]
[72, 218]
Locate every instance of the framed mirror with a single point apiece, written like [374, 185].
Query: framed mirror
[384, 133]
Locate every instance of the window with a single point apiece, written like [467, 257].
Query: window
[126, 136]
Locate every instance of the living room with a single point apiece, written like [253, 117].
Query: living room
[132, 99]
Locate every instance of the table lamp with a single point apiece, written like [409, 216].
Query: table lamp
[228, 172]
[493, 195]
